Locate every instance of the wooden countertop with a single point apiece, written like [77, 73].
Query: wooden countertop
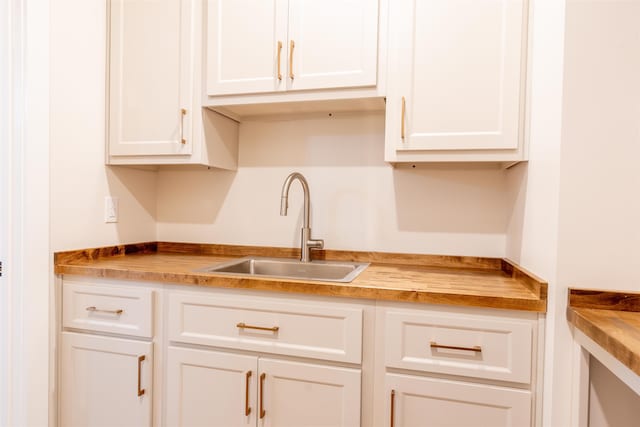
[454, 280]
[611, 319]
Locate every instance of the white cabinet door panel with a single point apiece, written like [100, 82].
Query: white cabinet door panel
[207, 388]
[464, 91]
[306, 395]
[101, 379]
[336, 43]
[419, 402]
[242, 46]
[150, 76]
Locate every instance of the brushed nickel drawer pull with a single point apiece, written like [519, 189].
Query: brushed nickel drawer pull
[279, 55]
[93, 309]
[243, 325]
[140, 360]
[247, 408]
[393, 408]
[262, 411]
[475, 348]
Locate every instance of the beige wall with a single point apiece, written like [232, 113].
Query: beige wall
[611, 402]
[358, 201]
[79, 179]
[599, 240]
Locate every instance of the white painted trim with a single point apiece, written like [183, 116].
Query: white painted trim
[625, 374]
[5, 77]
[580, 387]
[24, 295]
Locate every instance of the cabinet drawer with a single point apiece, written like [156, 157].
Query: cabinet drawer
[460, 344]
[306, 329]
[118, 310]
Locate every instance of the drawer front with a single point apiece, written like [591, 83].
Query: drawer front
[119, 310]
[462, 344]
[320, 331]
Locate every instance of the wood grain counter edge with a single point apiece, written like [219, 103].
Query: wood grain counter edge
[611, 320]
[75, 263]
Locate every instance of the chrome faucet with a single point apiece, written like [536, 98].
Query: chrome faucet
[306, 242]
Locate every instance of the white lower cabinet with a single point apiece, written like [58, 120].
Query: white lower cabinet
[210, 388]
[105, 381]
[414, 401]
[455, 367]
[240, 358]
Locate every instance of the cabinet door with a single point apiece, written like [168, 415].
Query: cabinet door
[246, 46]
[418, 401]
[102, 381]
[150, 77]
[207, 388]
[458, 64]
[335, 43]
[305, 395]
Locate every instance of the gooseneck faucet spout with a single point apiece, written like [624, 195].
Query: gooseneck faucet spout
[306, 242]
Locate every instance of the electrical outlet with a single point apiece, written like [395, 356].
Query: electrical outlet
[110, 209]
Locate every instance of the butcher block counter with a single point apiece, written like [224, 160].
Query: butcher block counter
[611, 320]
[432, 279]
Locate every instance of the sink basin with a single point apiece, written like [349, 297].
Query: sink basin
[330, 271]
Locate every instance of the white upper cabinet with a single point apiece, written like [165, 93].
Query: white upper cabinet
[155, 113]
[456, 80]
[151, 77]
[258, 46]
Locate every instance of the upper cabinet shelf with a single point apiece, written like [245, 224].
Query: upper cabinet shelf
[273, 51]
[456, 82]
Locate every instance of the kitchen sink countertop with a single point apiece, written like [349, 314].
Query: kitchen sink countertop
[435, 279]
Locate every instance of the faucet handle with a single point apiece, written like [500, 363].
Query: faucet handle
[315, 243]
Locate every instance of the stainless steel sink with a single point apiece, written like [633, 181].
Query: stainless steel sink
[330, 271]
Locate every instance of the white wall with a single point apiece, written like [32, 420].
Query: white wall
[79, 179]
[532, 238]
[358, 201]
[611, 402]
[599, 240]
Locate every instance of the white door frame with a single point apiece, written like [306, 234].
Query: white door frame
[24, 214]
[5, 307]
